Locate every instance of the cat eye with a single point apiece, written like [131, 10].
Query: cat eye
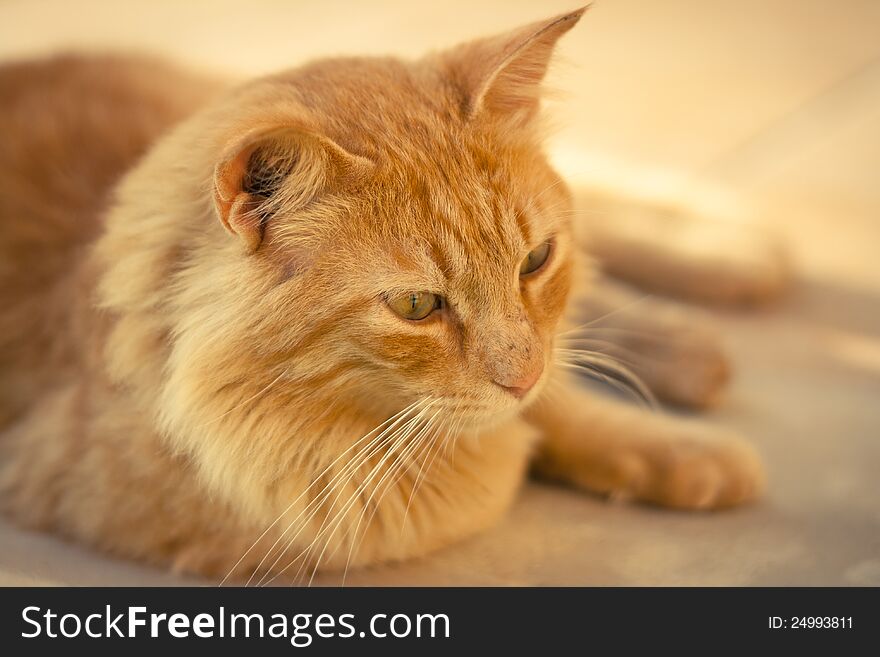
[416, 306]
[535, 259]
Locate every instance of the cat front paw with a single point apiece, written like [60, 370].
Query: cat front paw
[700, 472]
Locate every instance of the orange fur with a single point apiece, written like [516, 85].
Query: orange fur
[193, 352]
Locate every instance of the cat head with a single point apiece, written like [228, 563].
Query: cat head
[409, 222]
[376, 232]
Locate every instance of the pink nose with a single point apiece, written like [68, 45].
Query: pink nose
[520, 387]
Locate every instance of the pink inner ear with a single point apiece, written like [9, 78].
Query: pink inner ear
[237, 208]
[228, 179]
[245, 221]
[301, 163]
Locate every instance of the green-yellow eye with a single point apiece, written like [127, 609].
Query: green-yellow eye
[415, 305]
[535, 259]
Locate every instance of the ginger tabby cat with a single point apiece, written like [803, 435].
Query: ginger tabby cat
[252, 332]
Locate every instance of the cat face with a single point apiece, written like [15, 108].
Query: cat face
[459, 287]
[409, 221]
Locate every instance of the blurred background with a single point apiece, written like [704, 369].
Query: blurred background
[767, 109]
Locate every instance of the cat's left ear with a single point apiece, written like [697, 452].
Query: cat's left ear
[501, 76]
[278, 169]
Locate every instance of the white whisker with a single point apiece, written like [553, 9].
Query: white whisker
[351, 471]
[314, 481]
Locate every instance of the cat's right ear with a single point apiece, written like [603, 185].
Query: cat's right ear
[274, 170]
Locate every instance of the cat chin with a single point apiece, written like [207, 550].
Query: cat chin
[487, 422]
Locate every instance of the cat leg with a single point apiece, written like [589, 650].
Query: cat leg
[668, 250]
[622, 451]
[675, 350]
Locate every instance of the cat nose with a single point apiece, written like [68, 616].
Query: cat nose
[520, 386]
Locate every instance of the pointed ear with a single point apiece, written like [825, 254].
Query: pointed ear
[501, 75]
[275, 169]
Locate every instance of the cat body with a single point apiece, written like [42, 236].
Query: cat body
[212, 349]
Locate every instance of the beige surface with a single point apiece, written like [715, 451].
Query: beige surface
[769, 105]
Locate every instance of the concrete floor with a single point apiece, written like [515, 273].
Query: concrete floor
[768, 107]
